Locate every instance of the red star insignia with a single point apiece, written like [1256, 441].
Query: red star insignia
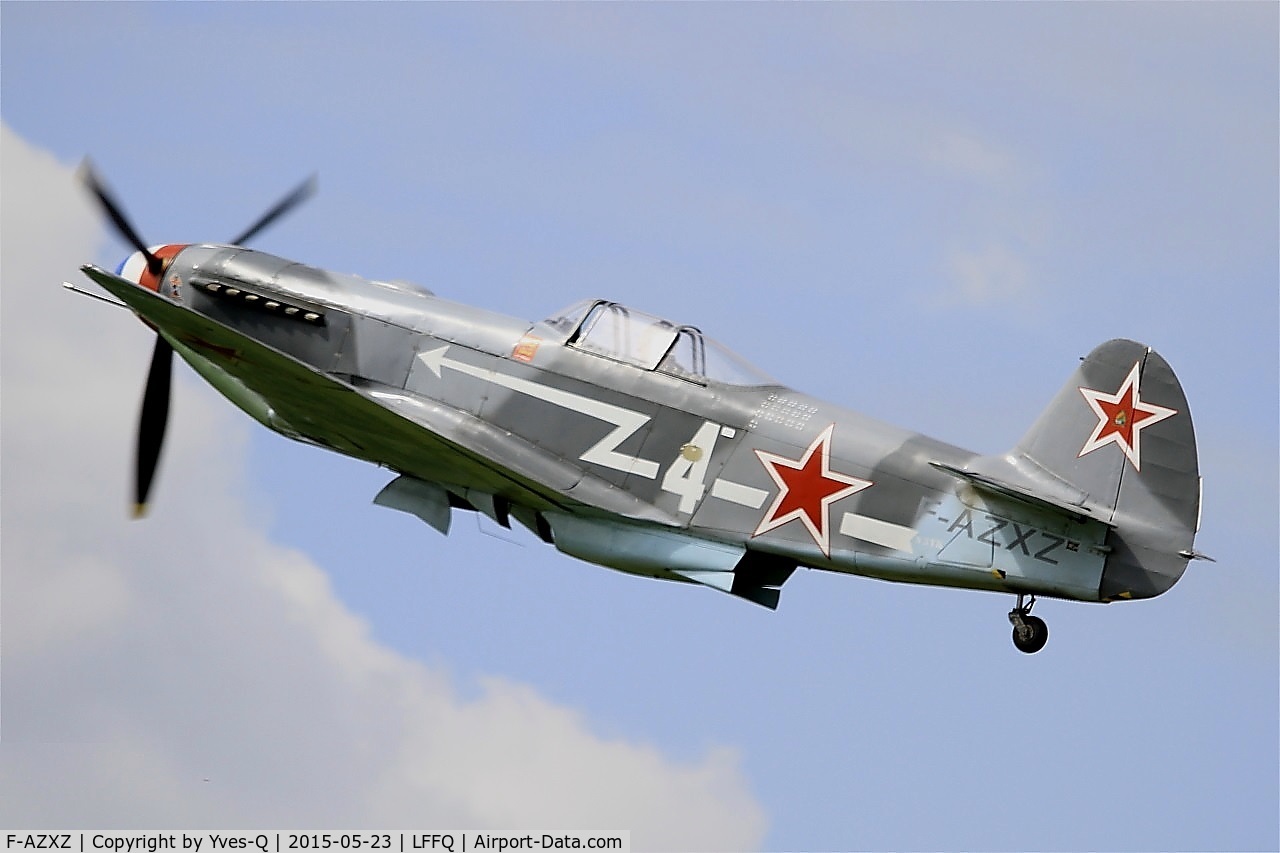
[1121, 418]
[806, 489]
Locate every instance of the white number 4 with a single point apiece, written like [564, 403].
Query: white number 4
[687, 474]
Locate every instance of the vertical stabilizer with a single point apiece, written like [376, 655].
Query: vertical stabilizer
[1118, 442]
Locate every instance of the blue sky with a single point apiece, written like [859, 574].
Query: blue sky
[923, 212]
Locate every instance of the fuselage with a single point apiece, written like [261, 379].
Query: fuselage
[636, 443]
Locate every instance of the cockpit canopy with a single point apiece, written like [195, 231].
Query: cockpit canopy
[634, 337]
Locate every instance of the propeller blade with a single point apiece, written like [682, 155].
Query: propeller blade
[300, 194]
[152, 422]
[113, 210]
[154, 416]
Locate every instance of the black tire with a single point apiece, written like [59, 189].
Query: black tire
[1037, 635]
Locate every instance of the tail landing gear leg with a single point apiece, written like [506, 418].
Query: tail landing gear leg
[1029, 632]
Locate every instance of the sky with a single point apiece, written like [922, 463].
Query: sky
[924, 212]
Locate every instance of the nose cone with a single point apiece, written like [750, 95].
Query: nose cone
[134, 268]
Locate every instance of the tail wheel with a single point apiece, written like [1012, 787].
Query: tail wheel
[1031, 635]
[1029, 632]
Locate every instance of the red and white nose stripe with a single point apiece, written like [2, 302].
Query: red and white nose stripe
[134, 268]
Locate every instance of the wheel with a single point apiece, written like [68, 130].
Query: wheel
[1032, 636]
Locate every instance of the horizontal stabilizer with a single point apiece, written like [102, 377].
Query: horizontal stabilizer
[1018, 493]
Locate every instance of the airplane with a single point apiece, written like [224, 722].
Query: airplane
[643, 445]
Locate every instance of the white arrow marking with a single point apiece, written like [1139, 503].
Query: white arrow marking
[603, 452]
[434, 359]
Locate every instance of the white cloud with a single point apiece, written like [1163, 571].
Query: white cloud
[186, 670]
[994, 274]
[968, 155]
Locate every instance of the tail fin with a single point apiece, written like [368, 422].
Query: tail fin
[1118, 442]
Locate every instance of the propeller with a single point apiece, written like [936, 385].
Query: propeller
[89, 176]
[154, 416]
[152, 421]
[297, 196]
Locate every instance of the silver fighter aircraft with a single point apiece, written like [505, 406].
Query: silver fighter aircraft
[643, 445]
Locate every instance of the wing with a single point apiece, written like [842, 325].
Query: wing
[388, 426]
